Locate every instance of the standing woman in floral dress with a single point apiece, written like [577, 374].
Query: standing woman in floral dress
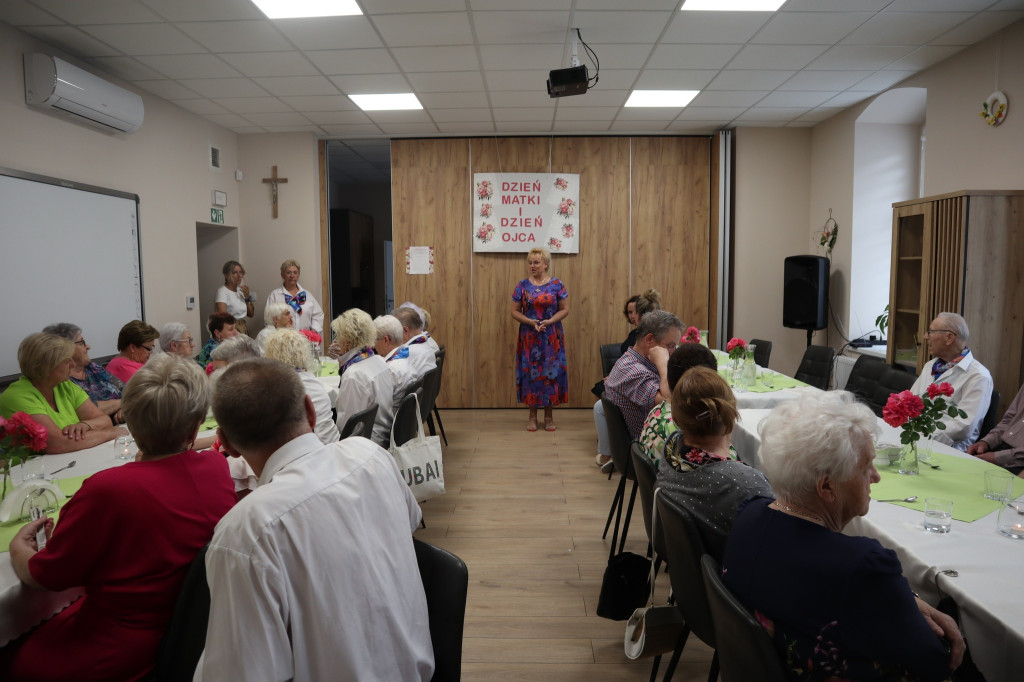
[539, 304]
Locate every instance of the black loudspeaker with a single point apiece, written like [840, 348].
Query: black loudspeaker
[805, 293]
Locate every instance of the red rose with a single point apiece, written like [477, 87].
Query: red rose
[735, 343]
[902, 407]
[30, 431]
[311, 335]
[940, 389]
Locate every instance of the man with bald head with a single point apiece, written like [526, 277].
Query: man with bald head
[953, 363]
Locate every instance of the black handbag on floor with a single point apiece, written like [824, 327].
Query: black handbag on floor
[625, 587]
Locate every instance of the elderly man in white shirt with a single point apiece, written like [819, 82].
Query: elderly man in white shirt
[396, 356]
[421, 353]
[313, 576]
[953, 363]
[365, 379]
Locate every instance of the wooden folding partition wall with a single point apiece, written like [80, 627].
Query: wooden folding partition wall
[645, 211]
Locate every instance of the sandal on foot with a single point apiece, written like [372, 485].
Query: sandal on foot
[549, 425]
[531, 425]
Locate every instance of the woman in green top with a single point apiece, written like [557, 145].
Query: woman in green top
[72, 421]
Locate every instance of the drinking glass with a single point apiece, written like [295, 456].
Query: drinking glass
[768, 378]
[1011, 520]
[32, 468]
[124, 447]
[998, 485]
[938, 515]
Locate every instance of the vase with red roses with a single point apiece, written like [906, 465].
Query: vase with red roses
[21, 439]
[919, 417]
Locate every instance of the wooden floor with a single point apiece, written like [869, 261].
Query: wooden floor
[525, 511]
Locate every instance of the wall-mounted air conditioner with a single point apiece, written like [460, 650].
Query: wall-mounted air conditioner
[51, 83]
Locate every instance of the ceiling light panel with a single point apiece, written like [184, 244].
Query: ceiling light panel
[392, 102]
[732, 5]
[302, 9]
[661, 98]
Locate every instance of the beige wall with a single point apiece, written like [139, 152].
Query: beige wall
[165, 163]
[773, 176]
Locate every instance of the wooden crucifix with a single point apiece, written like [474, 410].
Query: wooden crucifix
[274, 181]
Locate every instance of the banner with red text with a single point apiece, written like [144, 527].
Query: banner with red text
[518, 211]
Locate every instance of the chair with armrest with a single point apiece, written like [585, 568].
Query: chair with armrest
[747, 652]
[684, 548]
[407, 419]
[864, 377]
[893, 380]
[609, 356]
[360, 424]
[185, 637]
[619, 442]
[762, 351]
[989, 422]
[445, 582]
[816, 366]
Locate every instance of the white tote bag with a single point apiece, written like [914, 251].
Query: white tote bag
[419, 460]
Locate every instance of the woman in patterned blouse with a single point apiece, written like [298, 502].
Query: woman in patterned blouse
[102, 387]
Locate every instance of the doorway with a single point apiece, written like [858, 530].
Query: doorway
[215, 245]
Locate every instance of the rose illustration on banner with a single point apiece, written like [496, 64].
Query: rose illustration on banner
[566, 207]
[554, 244]
[485, 232]
[561, 183]
[486, 210]
[568, 230]
[484, 189]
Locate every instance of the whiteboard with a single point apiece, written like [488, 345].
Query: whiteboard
[70, 253]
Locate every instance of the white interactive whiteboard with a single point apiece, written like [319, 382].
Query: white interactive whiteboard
[70, 253]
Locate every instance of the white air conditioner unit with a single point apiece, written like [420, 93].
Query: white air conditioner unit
[52, 83]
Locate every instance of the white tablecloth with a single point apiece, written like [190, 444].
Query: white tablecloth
[988, 586]
[749, 400]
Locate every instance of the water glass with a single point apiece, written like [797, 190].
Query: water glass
[998, 485]
[726, 372]
[123, 447]
[32, 468]
[938, 515]
[768, 378]
[1011, 520]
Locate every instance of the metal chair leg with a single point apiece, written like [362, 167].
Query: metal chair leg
[676, 653]
[620, 496]
[611, 512]
[440, 426]
[629, 514]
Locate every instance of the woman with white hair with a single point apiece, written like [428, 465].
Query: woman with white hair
[836, 605]
[293, 349]
[365, 378]
[160, 510]
[176, 339]
[236, 348]
[102, 387]
[276, 316]
[396, 356]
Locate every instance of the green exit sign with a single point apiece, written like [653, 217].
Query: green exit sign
[217, 215]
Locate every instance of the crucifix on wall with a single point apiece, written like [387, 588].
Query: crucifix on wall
[274, 182]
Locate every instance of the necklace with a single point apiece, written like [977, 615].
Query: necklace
[796, 512]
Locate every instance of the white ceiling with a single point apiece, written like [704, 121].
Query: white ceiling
[479, 66]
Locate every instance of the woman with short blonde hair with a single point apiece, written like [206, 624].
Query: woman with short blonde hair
[365, 377]
[293, 349]
[307, 313]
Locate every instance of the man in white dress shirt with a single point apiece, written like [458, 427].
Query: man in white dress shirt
[313, 576]
[421, 354]
[953, 363]
[389, 346]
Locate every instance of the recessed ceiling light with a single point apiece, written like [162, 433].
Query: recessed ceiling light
[732, 5]
[295, 9]
[393, 102]
[661, 98]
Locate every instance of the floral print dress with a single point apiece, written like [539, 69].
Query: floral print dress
[542, 377]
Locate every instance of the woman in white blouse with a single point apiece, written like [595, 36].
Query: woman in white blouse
[275, 316]
[307, 311]
[293, 349]
[365, 377]
[234, 296]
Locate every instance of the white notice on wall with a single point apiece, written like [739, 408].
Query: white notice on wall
[419, 260]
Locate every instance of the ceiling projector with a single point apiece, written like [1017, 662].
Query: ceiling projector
[568, 82]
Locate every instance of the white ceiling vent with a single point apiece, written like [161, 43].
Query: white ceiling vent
[214, 158]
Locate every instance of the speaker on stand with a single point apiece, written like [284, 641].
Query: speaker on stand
[805, 294]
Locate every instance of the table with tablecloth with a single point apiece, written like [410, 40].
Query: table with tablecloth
[758, 395]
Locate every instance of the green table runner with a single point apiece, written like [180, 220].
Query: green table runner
[328, 369]
[958, 479]
[70, 486]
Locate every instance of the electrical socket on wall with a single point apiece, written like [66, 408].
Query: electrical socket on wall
[190, 302]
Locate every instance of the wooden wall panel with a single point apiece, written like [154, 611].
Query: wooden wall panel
[671, 223]
[431, 207]
[495, 276]
[598, 276]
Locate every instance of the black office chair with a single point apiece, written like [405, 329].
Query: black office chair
[747, 652]
[816, 366]
[407, 419]
[185, 638]
[609, 356]
[619, 441]
[445, 582]
[684, 548]
[360, 424]
[893, 380]
[762, 351]
[434, 413]
[864, 377]
[989, 422]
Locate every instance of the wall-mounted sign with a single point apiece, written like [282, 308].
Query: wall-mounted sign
[515, 212]
[217, 215]
[220, 198]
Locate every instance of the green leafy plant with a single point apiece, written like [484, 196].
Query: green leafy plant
[882, 321]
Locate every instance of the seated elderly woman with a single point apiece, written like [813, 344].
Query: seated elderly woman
[293, 349]
[45, 393]
[163, 507]
[396, 356]
[176, 339]
[221, 327]
[837, 606]
[365, 378]
[135, 344]
[275, 316]
[698, 469]
[102, 387]
[659, 424]
[238, 347]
